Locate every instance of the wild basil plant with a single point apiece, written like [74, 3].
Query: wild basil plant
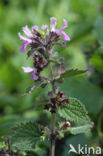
[68, 115]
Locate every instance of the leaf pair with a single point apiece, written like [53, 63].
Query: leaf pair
[26, 135]
[44, 82]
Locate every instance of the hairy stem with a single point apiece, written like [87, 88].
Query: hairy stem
[52, 151]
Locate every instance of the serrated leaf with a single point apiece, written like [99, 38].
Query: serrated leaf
[74, 111]
[81, 129]
[25, 136]
[6, 123]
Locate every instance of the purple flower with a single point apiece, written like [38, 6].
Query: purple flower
[31, 71]
[35, 40]
[27, 40]
[41, 45]
[59, 32]
[27, 31]
[35, 28]
[24, 38]
[53, 23]
[63, 26]
[35, 53]
[65, 36]
[44, 27]
[24, 45]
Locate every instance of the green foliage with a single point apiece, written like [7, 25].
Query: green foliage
[85, 27]
[7, 123]
[74, 111]
[83, 90]
[81, 129]
[80, 30]
[98, 55]
[71, 72]
[98, 30]
[9, 70]
[77, 139]
[29, 90]
[3, 146]
[25, 136]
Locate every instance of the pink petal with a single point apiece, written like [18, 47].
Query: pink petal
[28, 69]
[63, 27]
[27, 31]
[35, 53]
[33, 76]
[35, 27]
[31, 71]
[45, 27]
[24, 45]
[24, 38]
[65, 36]
[53, 23]
[65, 24]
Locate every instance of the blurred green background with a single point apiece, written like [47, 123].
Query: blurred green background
[85, 27]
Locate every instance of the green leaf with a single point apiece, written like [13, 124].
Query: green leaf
[97, 59]
[25, 136]
[82, 89]
[81, 129]
[31, 88]
[98, 28]
[71, 72]
[55, 61]
[74, 111]
[6, 123]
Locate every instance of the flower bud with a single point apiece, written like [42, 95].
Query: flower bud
[65, 125]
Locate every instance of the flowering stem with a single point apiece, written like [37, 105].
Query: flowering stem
[52, 151]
